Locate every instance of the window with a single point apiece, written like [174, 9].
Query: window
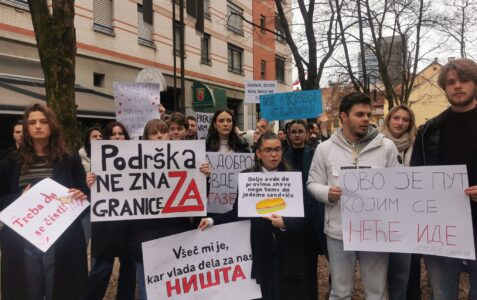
[177, 35]
[280, 69]
[235, 59]
[235, 15]
[98, 79]
[280, 33]
[263, 68]
[103, 16]
[144, 29]
[262, 23]
[204, 49]
[206, 9]
[21, 4]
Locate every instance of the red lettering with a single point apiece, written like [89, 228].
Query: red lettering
[191, 193]
[186, 285]
[176, 287]
[238, 273]
[209, 283]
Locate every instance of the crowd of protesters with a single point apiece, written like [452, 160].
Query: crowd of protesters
[285, 249]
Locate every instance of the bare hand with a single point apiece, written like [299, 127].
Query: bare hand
[277, 221]
[205, 168]
[90, 179]
[472, 192]
[77, 194]
[26, 189]
[204, 223]
[334, 194]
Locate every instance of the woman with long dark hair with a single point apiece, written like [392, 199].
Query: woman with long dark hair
[27, 272]
[277, 242]
[93, 133]
[222, 136]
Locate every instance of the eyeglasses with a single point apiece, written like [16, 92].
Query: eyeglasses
[271, 150]
[297, 132]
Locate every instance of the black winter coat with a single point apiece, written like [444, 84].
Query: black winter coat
[71, 271]
[288, 244]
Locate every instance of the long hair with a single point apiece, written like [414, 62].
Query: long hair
[87, 141]
[296, 122]
[212, 142]
[56, 147]
[412, 122]
[108, 130]
[270, 135]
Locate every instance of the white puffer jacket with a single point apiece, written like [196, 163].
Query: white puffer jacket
[335, 153]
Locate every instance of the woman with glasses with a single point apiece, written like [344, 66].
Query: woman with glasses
[300, 154]
[277, 242]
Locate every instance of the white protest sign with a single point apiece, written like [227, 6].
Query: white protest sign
[147, 180]
[255, 88]
[223, 180]
[136, 103]
[264, 194]
[211, 264]
[43, 213]
[412, 210]
[203, 122]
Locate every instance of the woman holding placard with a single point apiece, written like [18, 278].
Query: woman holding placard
[27, 272]
[277, 242]
[222, 136]
[400, 126]
[110, 240]
[300, 154]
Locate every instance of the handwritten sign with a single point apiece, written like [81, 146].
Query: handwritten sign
[147, 179]
[263, 194]
[223, 180]
[43, 213]
[136, 103]
[256, 88]
[211, 264]
[414, 210]
[203, 122]
[294, 105]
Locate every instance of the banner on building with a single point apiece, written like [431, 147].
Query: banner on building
[263, 194]
[412, 210]
[211, 264]
[290, 106]
[224, 178]
[256, 88]
[147, 180]
[136, 103]
[43, 213]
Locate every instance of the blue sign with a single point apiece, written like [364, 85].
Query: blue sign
[289, 106]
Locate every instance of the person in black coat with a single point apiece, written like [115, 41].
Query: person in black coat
[27, 272]
[300, 155]
[277, 242]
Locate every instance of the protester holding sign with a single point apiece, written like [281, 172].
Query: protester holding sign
[300, 155]
[400, 127]
[110, 240]
[277, 242]
[448, 139]
[356, 145]
[222, 137]
[27, 272]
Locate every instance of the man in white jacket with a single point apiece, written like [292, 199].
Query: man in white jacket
[355, 145]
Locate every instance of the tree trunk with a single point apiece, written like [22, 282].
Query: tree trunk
[56, 41]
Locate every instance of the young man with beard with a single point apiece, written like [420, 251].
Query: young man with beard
[450, 139]
[355, 145]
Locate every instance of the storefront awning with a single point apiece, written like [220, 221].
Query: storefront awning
[16, 94]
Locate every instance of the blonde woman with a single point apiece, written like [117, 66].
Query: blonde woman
[400, 127]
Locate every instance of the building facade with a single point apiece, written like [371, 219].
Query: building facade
[116, 39]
